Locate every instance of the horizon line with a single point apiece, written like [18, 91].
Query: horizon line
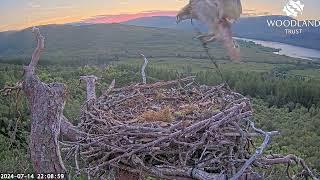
[121, 18]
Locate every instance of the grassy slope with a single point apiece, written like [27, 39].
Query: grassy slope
[106, 40]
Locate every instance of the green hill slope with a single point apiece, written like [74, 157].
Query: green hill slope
[102, 40]
[101, 43]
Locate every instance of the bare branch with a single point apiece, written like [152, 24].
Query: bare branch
[7, 90]
[258, 152]
[288, 159]
[143, 73]
[37, 52]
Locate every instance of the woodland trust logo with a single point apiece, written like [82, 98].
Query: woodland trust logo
[294, 9]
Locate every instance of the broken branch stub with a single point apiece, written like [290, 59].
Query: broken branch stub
[91, 86]
[143, 73]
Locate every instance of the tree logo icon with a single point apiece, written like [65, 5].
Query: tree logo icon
[293, 8]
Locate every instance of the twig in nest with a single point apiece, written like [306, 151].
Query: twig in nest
[110, 88]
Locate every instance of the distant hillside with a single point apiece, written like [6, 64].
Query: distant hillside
[248, 27]
[103, 43]
[162, 22]
[99, 42]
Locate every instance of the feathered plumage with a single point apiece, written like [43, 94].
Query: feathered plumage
[218, 16]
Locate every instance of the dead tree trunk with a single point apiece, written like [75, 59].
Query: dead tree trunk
[46, 103]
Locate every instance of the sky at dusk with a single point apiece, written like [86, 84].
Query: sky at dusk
[19, 14]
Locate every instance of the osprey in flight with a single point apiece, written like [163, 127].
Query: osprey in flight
[218, 16]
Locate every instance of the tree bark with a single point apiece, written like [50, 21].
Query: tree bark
[46, 103]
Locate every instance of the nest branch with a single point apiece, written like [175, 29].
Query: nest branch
[258, 152]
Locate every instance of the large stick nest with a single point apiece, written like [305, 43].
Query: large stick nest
[172, 129]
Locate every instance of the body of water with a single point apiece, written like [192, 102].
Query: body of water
[288, 50]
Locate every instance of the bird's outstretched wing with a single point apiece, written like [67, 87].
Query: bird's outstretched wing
[217, 15]
[205, 10]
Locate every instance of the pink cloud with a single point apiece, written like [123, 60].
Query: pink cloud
[126, 17]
